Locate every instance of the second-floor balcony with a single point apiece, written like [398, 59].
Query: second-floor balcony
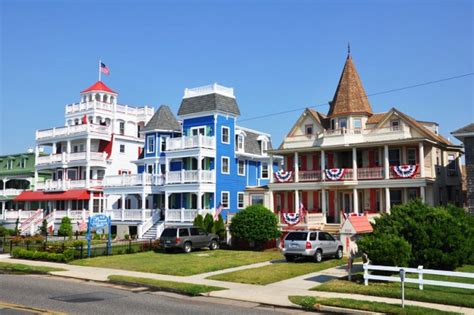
[77, 157]
[192, 176]
[73, 130]
[133, 180]
[190, 142]
[63, 185]
[173, 177]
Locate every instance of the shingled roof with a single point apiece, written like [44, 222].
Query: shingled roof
[350, 97]
[252, 145]
[209, 103]
[466, 129]
[163, 119]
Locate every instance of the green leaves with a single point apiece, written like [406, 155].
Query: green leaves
[255, 224]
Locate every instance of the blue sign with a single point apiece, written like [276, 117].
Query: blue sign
[99, 221]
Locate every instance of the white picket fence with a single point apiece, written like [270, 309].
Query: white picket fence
[420, 281]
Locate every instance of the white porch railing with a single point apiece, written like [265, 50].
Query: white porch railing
[72, 130]
[129, 214]
[61, 185]
[71, 157]
[370, 173]
[11, 192]
[133, 180]
[191, 176]
[419, 280]
[184, 215]
[309, 176]
[18, 214]
[190, 142]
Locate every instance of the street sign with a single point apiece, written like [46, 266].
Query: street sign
[99, 221]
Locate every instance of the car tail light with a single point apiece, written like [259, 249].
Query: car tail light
[178, 240]
[308, 245]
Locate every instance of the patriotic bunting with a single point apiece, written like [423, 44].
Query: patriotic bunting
[335, 173]
[405, 171]
[283, 176]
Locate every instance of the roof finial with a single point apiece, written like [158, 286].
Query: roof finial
[348, 49]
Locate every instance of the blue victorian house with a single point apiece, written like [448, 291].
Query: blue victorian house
[202, 163]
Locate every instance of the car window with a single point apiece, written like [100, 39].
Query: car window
[312, 236]
[201, 232]
[296, 236]
[169, 233]
[183, 232]
[329, 237]
[322, 236]
[194, 231]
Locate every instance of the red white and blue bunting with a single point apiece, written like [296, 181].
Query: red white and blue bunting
[293, 218]
[405, 171]
[283, 176]
[335, 173]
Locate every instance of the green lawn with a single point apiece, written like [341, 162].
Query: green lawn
[161, 285]
[180, 264]
[25, 269]
[433, 294]
[275, 272]
[308, 303]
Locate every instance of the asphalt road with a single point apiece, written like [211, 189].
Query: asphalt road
[79, 297]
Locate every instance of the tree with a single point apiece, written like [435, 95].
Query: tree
[208, 224]
[17, 227]
[44, 228]
[438, 237]
[219, 227]
[255, 224]
[65, 229]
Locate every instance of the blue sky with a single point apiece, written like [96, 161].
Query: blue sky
[278, 55]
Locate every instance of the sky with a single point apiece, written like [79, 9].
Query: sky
[277, 55]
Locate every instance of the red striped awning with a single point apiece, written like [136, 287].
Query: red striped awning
[45, 196]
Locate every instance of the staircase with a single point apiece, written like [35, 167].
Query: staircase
[155, 231]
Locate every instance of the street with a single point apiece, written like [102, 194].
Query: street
[79, 297]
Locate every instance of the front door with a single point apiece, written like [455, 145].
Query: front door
[347, 202]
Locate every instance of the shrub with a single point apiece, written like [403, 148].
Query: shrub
[6, 232]
[255, 224]
[219, 228]
[438, 237]
[65, 229]
[44, 228]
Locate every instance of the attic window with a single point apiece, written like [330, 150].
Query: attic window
[395, 125]
[10, 164]
[264, 146]
[240, 143]
[342, 123]
[23, 163]
[308, 129]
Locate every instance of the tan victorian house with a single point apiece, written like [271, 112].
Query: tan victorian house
[352, 160]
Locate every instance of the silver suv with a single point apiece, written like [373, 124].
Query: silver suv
[311, 244]
[187, 238]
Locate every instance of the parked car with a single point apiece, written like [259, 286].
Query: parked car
[315, 244]
[187, 238]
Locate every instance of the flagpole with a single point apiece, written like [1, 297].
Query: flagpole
[100, 76]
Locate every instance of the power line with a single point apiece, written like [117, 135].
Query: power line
[367, 96]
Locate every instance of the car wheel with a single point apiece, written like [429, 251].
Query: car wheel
[213, 245]
[187, 247]
[318, 256]
[339, 253]
[289, 258]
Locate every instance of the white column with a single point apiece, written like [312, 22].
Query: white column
[271, 202]
[323, 203]
[88, 175]
[167, 169]
[421, 159]
[323, 165]
[53, 150]
[354, 163]
[297, 200]
[296, 168]
[88, 149]
[271, 169]
[422, 194]
[68, 146]
[387, 200]
[356, 200]
[166, 200]
[143, 201]
[199, 200]
[385, 162]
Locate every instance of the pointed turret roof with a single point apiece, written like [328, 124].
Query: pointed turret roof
[98, 86]
[350, 97]
[163, 119]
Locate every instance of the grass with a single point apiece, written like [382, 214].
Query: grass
[25, 269]
[161, 285]
[180, 264]
[432, 294]
[308, 303]
[275, 272]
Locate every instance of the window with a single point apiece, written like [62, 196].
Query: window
[183, 232]
[412, 193]
[264, 170]
[312, 236]
[150, 144]
[394, 157]
[100, 174]
[225, 165]
[241, 168]
[308, 129]
[225, 199]
[149, 169]
[411, 156]
[256, 199]
[198, 131]
[342, 123]
[122, 148]
[163, 143]
[357, 123]
[138, 131]
[395, 197]
[240, 143]
[122, 128]
[333, 124]
[240, 200]
[71, 174]
[264, 146]
[225, 135]
[23, 163]
[452, 165]
[395, 124]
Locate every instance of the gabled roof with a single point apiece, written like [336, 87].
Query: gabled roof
[376, 118]
[99, 86]
[163, 119]
[350, 97]
[466, 129]
[361, 224]
[209, 103]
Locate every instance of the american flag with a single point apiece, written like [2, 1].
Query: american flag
[104, 69]
[82, 226]
[218, 211]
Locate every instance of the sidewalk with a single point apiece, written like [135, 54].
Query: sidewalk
[272, 294]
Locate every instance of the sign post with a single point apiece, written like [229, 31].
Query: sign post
[402, 280]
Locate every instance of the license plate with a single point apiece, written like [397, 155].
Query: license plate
[293, 246]
[168, 242]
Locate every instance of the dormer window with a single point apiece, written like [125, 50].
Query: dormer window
[264, 146]
[395, 124]
[342, 123]
[357, 122]
[308, 129]
[240, 143]
[10, 164]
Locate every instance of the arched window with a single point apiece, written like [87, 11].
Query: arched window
[76, 121]
[97, 97]
[112, 99]
[90, 97]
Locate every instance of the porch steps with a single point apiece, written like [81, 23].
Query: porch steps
[152, 232]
